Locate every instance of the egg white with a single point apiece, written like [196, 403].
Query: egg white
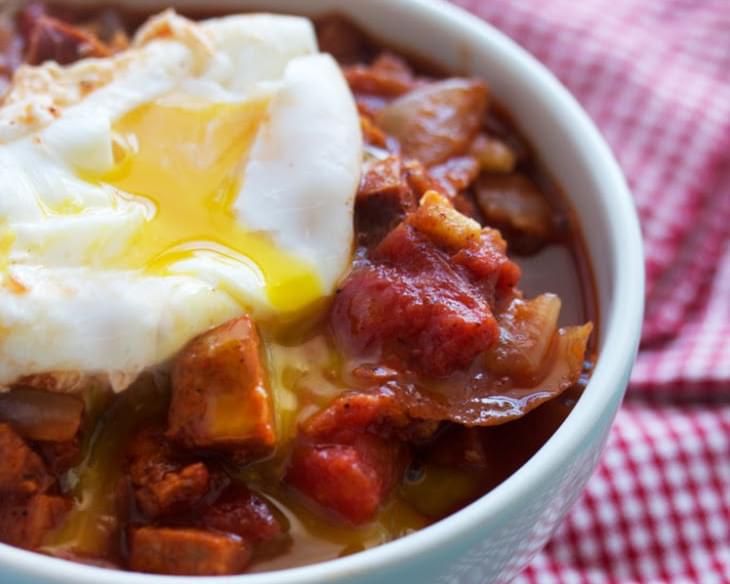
[66, 302]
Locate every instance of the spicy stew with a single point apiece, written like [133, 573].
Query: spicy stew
[450, 353]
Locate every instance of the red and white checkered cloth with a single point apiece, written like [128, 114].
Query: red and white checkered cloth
[655, 76]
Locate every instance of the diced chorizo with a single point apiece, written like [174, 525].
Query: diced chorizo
[26, 520]
[244, 513]
[389, 189]
[383, 198]
[173, 490]
[54, 40]
[186, 552]
[163, 485]
[438, 120]
[21, 470]
[219, 396]
[352, 480]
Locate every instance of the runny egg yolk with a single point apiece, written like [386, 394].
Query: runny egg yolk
[6, 242]
[187, 160]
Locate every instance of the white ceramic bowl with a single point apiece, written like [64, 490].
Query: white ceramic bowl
[494, 538]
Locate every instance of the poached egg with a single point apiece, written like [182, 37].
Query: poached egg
[207, 171]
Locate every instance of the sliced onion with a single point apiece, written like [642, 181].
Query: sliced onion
[438, 120]
[526, 332]
[489, 401]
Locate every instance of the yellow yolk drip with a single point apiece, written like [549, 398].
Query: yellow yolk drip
[187, 160]
[7, 237]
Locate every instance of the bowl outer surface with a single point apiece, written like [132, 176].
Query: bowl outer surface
[491, 540]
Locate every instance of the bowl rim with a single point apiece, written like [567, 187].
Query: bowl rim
[605, 387]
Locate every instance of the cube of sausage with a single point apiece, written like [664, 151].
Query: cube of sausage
[219, 396]
[163, 485]
[244, 513]
[186, 552]
[21, 470]
[166, 491]
[25, 520]
[383, 198]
